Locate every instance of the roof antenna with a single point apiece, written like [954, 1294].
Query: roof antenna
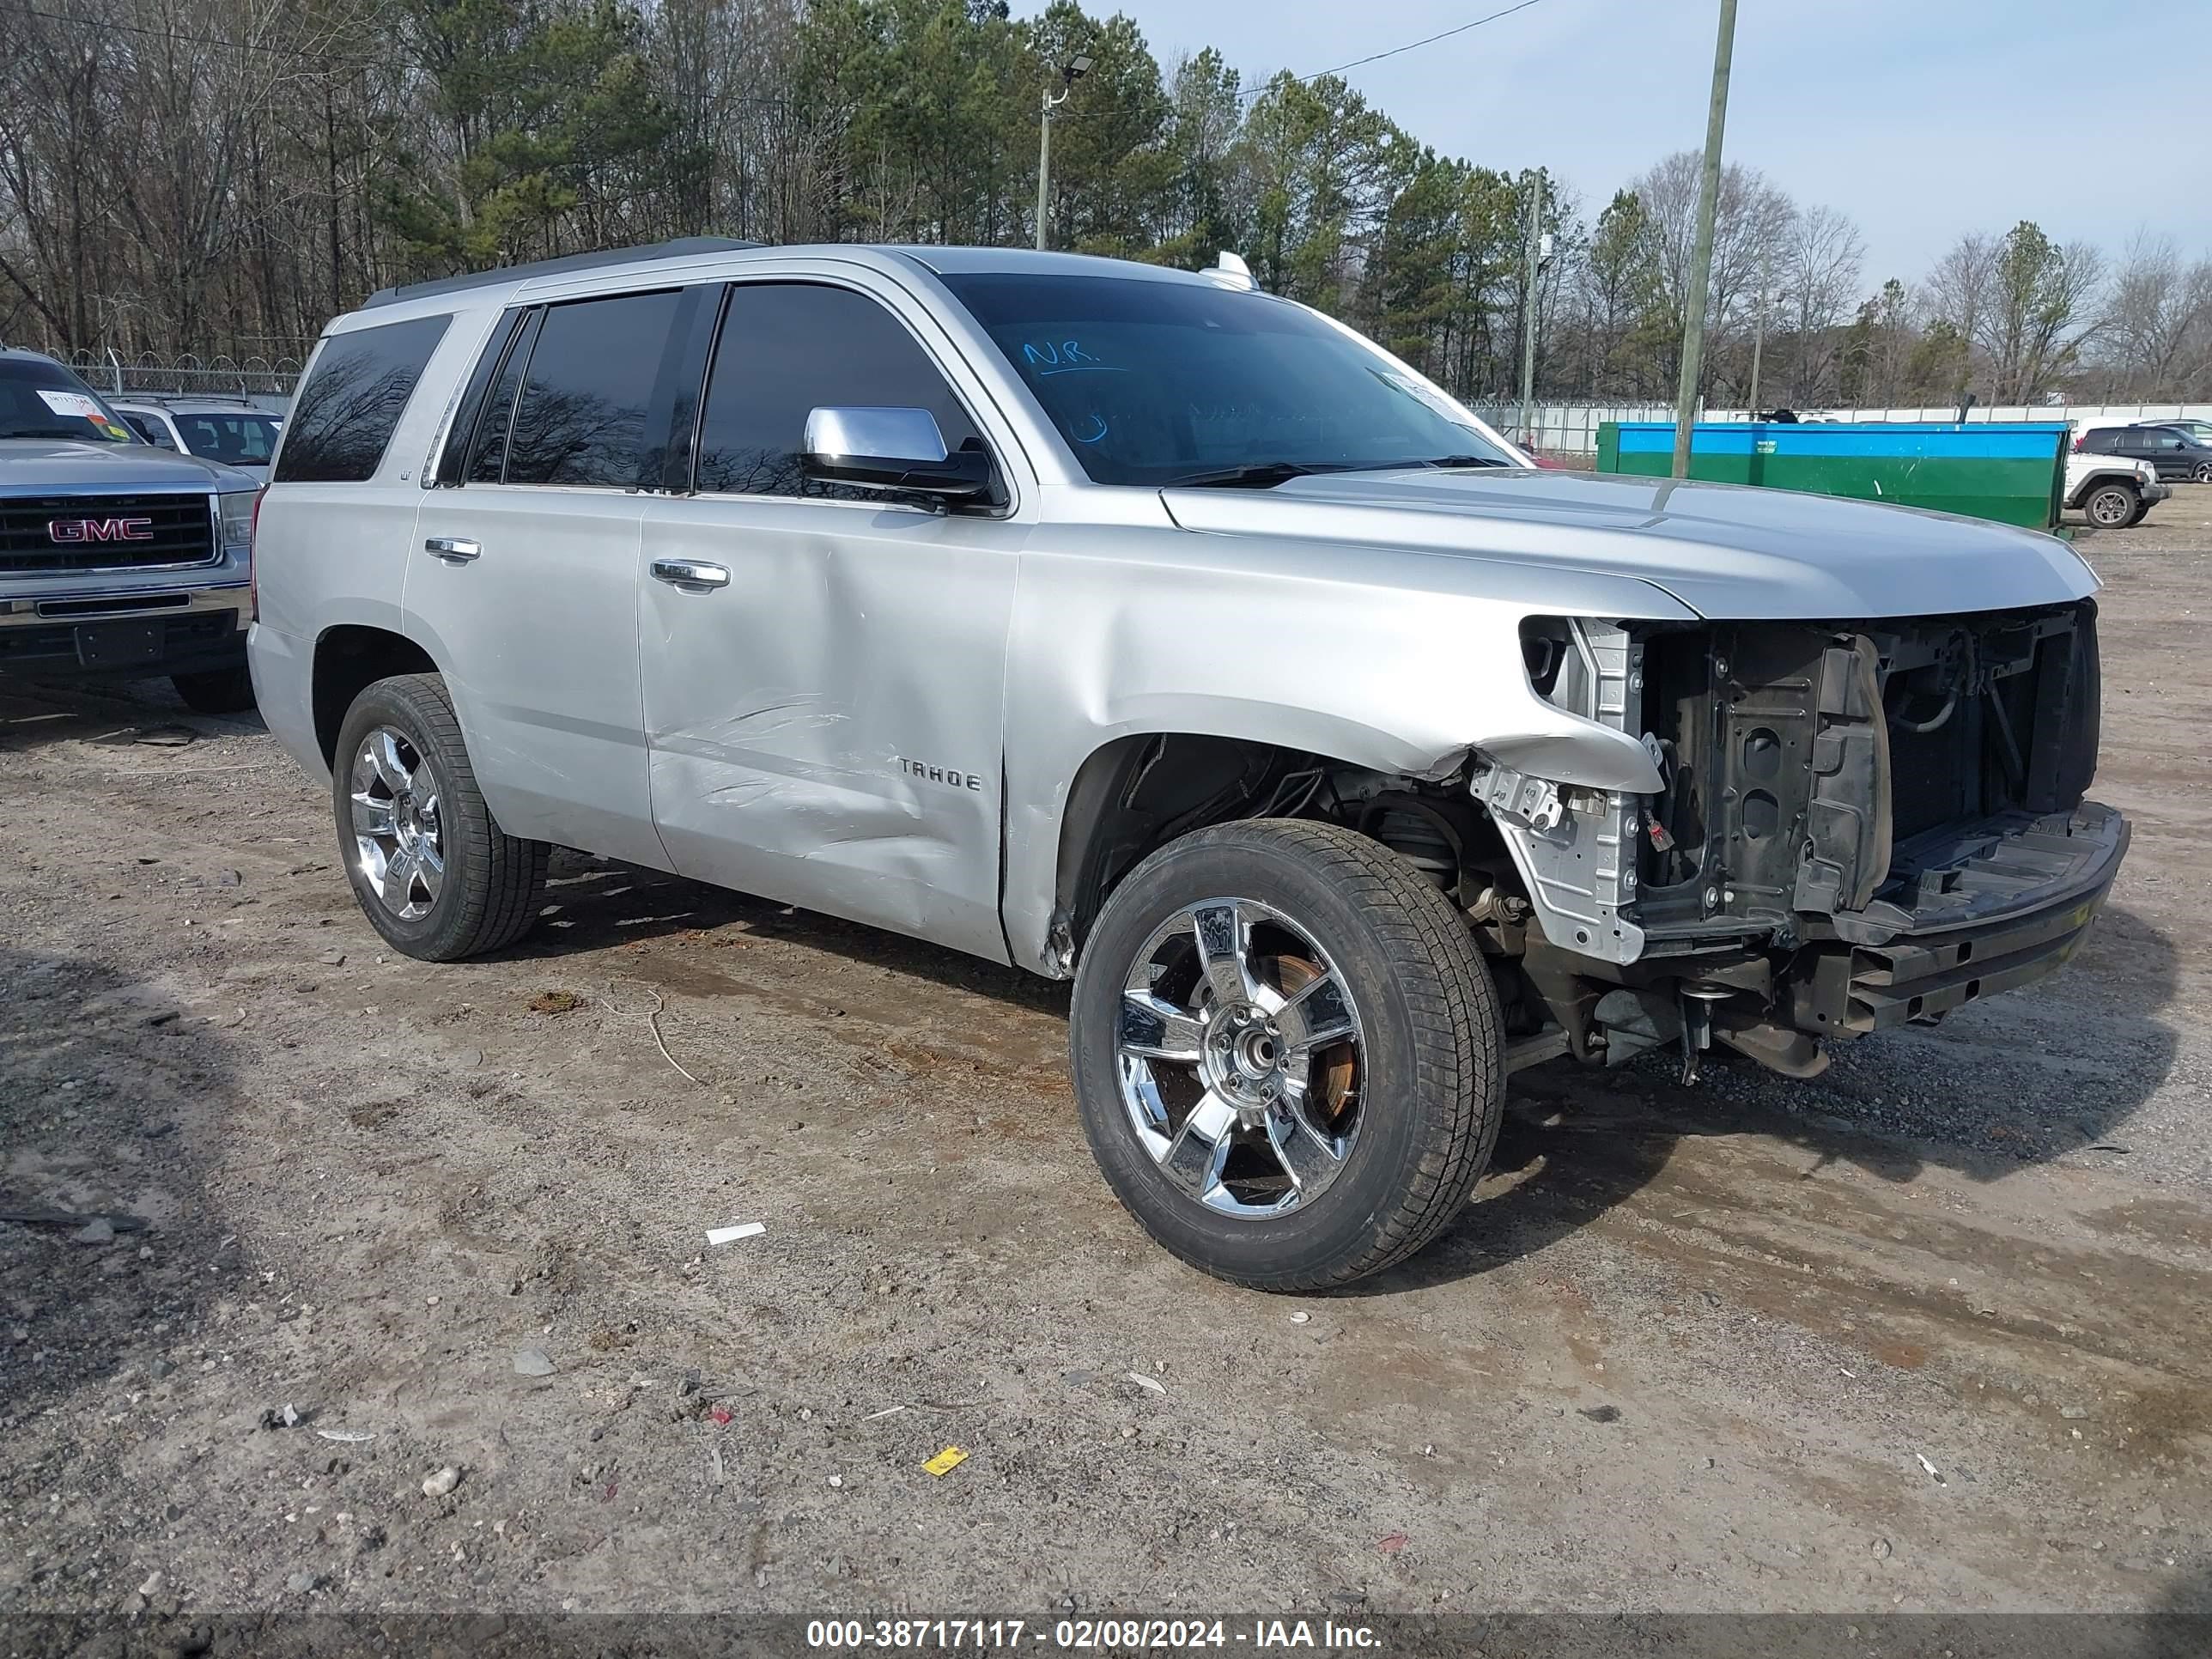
[1230, 271]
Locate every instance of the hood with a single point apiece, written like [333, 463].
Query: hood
[55, 466]
[1727, 552]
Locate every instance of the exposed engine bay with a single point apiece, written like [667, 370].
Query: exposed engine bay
[1860, 824]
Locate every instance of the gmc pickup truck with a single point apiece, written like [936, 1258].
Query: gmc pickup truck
[1136, 627]
[117, 559]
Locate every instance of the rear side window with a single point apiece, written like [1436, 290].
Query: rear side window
[587, 395]
[787, 348]
[343, 421]
[2101, 442]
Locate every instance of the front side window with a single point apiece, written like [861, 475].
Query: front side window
[788, 347]
[241, 440]
[42, 400]
[345, 416]
[588, 393]
[1157, 382]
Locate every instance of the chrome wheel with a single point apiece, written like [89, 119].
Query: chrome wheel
[399, 838]
[1240, 1059]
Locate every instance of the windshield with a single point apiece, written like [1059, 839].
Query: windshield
[44, 400]
[241, 440]
[1157, 382]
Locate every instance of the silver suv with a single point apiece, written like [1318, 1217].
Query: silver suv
[1135, 627]
[235, 432]
[117, 559]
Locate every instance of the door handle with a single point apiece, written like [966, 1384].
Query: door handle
[689, 573]
[453, 550]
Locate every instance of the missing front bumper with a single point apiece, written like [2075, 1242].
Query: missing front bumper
[2012, 907]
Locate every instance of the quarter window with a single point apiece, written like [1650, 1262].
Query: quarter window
[345, 415]
[787, 348]
[489, 461]
[587, 395]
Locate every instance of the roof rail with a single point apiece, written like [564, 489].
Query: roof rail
[682, 248]
[167, 398]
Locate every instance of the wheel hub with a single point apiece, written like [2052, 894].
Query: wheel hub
[1244, 1057]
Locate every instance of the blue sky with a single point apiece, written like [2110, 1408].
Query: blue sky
[1921, 118]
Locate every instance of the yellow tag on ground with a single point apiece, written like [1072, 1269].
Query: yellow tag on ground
[946, 1461]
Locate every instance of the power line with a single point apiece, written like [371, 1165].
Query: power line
[1415, 46]
[1261, 91]
[180, 36]
[104, 23]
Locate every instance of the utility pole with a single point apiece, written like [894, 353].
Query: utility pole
[1528, 312]
[1701, 258]
[1076, 66]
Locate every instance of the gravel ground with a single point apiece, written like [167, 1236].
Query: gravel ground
[1925, 1334]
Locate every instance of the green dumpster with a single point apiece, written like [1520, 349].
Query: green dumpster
[2012, 473]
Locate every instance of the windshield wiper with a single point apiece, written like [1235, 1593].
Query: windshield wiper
[1263, 474]
[1457, 460]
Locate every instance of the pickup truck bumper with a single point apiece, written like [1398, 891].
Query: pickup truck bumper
[124, 636]
[2009, 909]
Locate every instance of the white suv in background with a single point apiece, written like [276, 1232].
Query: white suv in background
[235, 432]
[2111, 491]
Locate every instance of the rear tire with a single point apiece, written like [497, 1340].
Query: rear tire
[1350, 1155]
[429, 865]
[2111, 506]
[216, 690]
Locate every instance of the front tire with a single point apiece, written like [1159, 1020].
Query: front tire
[2203, 473]
[429, 865]
[2111, 506]
[216, 690]
[1287, 1054]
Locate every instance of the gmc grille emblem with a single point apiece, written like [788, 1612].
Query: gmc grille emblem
[101, 530]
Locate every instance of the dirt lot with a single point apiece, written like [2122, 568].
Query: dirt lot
[1928, 1333]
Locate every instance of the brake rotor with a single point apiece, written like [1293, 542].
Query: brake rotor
[1335, 1083]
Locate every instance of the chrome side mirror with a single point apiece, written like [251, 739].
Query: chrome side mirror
[892, 449]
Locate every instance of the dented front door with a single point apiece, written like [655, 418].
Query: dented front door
[822, 683]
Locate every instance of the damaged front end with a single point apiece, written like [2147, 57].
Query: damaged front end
[1858, 824]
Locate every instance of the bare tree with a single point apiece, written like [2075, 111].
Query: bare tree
[2157, 332]
[1959, 288]
[1750, 219]
[1818, 268]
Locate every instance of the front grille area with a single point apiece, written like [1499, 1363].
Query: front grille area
[102, 532]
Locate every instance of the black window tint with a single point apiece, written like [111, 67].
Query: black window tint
[151, 430]
[787, 348]
[585, 405]
[489, 458]
[345, 415]
[461, 432]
